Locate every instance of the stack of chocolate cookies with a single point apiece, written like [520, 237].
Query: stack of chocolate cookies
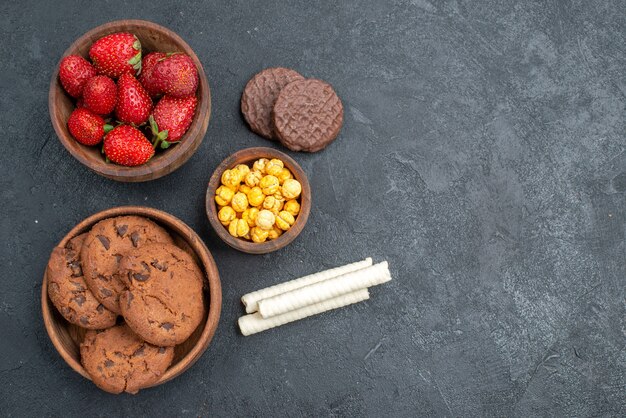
[127, 266]
[303, 114]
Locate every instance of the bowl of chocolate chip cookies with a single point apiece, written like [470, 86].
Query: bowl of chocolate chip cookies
[131, 298]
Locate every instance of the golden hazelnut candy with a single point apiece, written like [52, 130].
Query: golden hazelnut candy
[231, 179]
[279, 195]
[256, 196]
[292, 206]
[275, 232]
[272, 204]
[269, 184]
[258, 235]
[239, 202]
[238, 228]
[253, 178]
[265, 219]
[243, 170]
[259, 165]
[291, 189]
[284, 220]
[226, 215]
[244, 188]
[249, 215]
[284, 175]
[268, 202]
[223, 195]
[274, 167]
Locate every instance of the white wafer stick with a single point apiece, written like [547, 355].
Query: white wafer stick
[253, 323]
[250, 300]
[328, 289]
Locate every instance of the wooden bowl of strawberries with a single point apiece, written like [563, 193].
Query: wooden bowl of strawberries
[130, 100]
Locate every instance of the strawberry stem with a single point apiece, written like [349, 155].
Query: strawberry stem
[158, 138]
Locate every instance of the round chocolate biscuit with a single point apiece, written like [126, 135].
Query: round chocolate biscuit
[108, 241]
[119, 361]
[68, 291]
[308, 115]
[259, 96]
[164, 301]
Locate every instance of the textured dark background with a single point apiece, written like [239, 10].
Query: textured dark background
[482, 155]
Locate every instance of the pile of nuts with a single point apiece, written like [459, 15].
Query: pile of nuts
[258, 203]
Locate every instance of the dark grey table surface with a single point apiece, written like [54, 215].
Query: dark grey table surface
[482, 154]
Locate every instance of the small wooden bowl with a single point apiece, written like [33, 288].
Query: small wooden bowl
[67, 337]
[248, 156]
[153, 38]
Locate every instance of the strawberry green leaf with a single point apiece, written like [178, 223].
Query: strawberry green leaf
[153, 125]
[165, 145]
[108, 128]
[136, 61]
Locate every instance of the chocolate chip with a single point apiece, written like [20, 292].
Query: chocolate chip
[139, 351]
[145, 266]
[118, 258]
[84, 320]
[121, 230]
[109, 363]
[161, 350]
[106, 292]
[141, 277]
[129, 299]
[104, 241]
[167, 326]
[78, 286]
[100, 308]
[80, 299]
[159, 266]
[134, 237]
[76, 268]
[103, 277]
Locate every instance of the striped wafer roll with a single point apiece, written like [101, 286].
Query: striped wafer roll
[250, 300]
[328, 289]
[253, 323]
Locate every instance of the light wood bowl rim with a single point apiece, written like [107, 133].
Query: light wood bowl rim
[204, 256]
[248, 155]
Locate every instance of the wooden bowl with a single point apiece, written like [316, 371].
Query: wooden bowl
[67, 337]
[248, 156]
[153, 38]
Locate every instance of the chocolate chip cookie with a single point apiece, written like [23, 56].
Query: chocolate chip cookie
[164, 302]
[68, 291]
[307, 115]
[119, 361]
[108, 241]
[259, 96]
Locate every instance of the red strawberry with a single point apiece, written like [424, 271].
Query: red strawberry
[100, 95]
[87, 127]
[116, 54]
[147, 64]
[80, 103]
[172, 116]
[175, 75]
[133, 102]
[126, 145]
[74, 71]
